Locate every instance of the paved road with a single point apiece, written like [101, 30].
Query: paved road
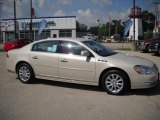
[49, 100]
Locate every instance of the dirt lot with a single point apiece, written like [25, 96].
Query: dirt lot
[49, 100]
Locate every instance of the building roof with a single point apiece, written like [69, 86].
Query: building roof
[43, 17]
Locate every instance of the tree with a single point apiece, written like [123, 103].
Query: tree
[103, 29]
[148, 21]
[94, 30]
[81, 27]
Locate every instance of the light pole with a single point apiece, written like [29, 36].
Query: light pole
[31, 20]
[15, 32]
[98, 28]
[15, 25]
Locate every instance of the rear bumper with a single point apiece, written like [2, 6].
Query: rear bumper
[142, 48]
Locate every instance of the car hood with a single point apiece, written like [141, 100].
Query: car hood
[129, 59]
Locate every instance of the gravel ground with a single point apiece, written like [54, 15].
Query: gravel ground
[50, 100]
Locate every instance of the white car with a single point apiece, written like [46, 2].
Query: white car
[81, 61]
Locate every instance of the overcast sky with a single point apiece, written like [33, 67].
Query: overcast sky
[86, 11]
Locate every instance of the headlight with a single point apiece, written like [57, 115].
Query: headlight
[141, 69]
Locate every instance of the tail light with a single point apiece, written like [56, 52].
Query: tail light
[14, 45]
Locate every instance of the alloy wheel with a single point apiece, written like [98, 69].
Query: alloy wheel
[114, 83]
[24, 73]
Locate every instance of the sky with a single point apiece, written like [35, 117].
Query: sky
[86, 11]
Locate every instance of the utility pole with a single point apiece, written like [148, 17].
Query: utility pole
[31, 20]
[116, 27]
[15, 25]
[98, 28]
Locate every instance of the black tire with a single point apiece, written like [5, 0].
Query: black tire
[25, 73]
[147, 48]
[115, 86]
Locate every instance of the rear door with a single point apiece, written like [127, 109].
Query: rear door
[44, 59]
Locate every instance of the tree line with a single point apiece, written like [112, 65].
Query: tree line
[117, 26]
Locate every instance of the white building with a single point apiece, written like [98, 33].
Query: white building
[56, 27]
[138, 23]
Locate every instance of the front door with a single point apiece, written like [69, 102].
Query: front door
[74, 66]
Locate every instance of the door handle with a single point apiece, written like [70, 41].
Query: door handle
[64, 60]
[35, 57]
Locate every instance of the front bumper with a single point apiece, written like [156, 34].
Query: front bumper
[153, 47]
[143, 80]
[147, 81]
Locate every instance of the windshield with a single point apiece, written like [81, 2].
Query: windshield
[100, 49]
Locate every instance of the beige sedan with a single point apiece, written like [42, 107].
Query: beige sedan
[81, 61]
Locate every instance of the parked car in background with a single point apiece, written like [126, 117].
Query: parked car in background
[81, 61]
[89, 38]
[144, 45]
[16, 43]
[154, 46]
[117, 37]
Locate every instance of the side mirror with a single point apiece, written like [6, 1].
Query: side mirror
[85, 53]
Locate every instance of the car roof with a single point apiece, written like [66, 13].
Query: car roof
[27, 47]
[66, 39]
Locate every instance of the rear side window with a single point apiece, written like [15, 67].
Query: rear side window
[46, 46]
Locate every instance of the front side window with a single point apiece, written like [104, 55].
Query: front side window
[46, 46]
[67, 47]
[99, 48]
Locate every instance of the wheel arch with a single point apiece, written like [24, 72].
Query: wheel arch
[20, 62]
[114, 68]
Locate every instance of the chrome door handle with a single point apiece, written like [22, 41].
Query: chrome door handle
[64, 60]
[35, 57]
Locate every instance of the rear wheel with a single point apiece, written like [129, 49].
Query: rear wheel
[115, 82]
[25, 73]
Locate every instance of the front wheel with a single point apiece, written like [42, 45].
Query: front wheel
[25, 73]
[115, 82]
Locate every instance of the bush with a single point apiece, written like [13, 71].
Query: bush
[148, 35]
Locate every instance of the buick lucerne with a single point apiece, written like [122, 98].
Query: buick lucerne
[81, 61]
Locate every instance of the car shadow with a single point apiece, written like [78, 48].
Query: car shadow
[143, 92]
[68, 85]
